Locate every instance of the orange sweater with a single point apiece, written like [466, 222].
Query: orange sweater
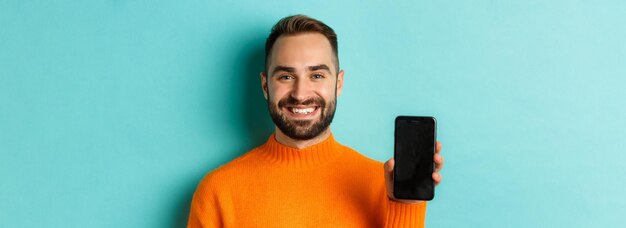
[325, 185]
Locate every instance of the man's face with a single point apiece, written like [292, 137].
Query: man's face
[302, 85]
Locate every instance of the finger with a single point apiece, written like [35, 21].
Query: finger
[438, 147]
[436, 178]
[389, 177]
[438, 162]
[389, 165]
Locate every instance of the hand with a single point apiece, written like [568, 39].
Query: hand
[389, 174]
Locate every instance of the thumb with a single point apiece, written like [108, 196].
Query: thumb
[389, 177]
[389, 165]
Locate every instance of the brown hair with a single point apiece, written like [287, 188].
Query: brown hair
[296, 24]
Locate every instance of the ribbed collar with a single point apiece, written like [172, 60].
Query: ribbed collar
[308, 157]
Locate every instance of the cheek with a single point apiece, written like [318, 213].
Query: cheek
[277, 92]
[327, 92]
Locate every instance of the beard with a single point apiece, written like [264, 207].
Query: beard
[302, 129]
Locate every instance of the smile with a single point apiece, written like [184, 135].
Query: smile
[302, 111]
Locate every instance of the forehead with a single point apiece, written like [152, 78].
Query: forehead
[302, 50]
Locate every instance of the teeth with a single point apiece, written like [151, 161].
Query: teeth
[302, 111]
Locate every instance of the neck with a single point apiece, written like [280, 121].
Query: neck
[300, 144]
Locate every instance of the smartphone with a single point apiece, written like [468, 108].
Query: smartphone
[414, 149]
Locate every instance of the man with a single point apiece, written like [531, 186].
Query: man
[302, 177]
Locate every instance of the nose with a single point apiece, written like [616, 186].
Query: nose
[301, 90]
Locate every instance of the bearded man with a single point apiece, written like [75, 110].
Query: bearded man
[303, 177]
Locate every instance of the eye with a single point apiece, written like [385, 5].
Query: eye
[317, 76]
[285, 77]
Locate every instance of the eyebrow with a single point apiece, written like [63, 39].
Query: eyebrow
[283, 68]
[292, 69]
[320, 67]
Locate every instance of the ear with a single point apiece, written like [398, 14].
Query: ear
[264, 84]
[339, 82]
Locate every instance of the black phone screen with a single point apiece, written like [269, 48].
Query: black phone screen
[413, 153]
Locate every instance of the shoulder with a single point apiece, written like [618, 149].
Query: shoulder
[352, 153]
[359, 160]
[226, 173]
[362, 171]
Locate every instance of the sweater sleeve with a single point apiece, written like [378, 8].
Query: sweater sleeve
[206, 207]
[201, 213]
[405, 215]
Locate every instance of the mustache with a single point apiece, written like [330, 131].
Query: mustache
[291, 101]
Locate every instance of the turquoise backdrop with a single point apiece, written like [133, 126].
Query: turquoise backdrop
[112, 111]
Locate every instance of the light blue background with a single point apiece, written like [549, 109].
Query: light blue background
[112, 111]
